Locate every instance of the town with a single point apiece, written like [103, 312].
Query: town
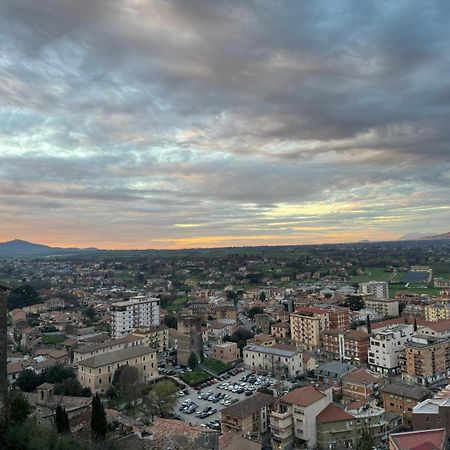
[304, 347]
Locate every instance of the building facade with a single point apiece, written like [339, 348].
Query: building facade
[190, 339]
[226, 352]
[307, 326]
[350, 345]
[385, 307]
[97, 372]
[376, 289]
[139, 312]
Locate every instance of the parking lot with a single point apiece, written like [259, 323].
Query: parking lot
[214, 390]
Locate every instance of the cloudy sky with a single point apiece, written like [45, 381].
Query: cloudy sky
[192, 123]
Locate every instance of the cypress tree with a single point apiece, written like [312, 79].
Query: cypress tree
[98, 418]
[415, 324]
[369, 325]
[62, 420]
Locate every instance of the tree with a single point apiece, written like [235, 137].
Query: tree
[72, 387]
[265, 390]
[170, 321]
[28, 380]
[415, 324]
[262, 296]
[23, 295]
[193, 361]
[369, 325]
[57, 374]
[99, 425]
[61, 420]
[126, 382]
[253, 311]
[161, 399]
[19, 408]
[366, 441]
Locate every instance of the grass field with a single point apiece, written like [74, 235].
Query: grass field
[53, 339]
[194, 377]
[376, 274]
[418, 289]
[216, 366]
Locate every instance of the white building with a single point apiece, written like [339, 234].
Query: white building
[377, 289]
[385, 307]
[386, 346]
[278, 359]
[138, 312]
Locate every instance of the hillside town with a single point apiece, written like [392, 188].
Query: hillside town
[235, 351]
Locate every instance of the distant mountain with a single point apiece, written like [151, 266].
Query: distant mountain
[18, 247]
[412, 236]
[437, 237]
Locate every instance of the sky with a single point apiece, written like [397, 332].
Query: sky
[201, 123]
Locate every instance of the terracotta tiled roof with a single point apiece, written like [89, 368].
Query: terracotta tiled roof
[303, 396]
[361, 376]
[333, 414]
[420, 440]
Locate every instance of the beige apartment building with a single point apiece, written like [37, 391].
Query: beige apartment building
[294, 418]
[425, 360]
[436, 312]
[385, 307]
[307, 326]
[156, 337]
[97, 372]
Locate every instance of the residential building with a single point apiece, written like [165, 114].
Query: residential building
[436, 312]
[265, 340]
[279, 359]
[218, 329]
[90, 350]
[376, 289]
[386, 346]
[155, 336]
[248, 416]
[307, 326]
[226, 352]
[190, 339]
[441, 283]
[280, 330]
[425, 360]
[339, 317]
[338, 428]
[13, 371]
[385, 307]
[97, 372]
[293, 421]
[433, 412]
[434, 439]
[401, 398]
[349, 345]
[138, 312]
[359, 385]
[331, 373]
[262, 322]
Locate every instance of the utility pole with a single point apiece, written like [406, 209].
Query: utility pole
[3, 348]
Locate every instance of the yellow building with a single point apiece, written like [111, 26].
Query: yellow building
[436, 312]
[97, 372]
[307, 326]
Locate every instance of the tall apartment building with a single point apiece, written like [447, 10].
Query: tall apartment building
[425, 360]
[155, 336]
[385, 307]
[349, 345]
[138, 312]
[386, 347]
[377, 289]
[294, 417]
[436, 312]
[307, 326]
[339, 317]
[189, 339]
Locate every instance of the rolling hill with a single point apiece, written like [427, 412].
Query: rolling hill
[18, 247]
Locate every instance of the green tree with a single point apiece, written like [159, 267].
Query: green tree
[366, 441]
[28, 380]
[170, 321]
[57, 374]
[193, 361]
[253, 311]
[72, 387]
[369, 325]
[126, 382]
[19, 408]
[61, 420]
[23, 295]
[262, 296]
[161, 399]
[99, 425]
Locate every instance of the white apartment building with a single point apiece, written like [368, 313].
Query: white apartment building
[295, 417]
[277, 360]
[138, 312]
[377, 289]
[385, 307]
[386, 347]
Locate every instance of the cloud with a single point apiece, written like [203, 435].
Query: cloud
[177, 121]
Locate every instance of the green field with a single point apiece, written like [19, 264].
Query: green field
[376, 274]
[417, 289]
[216, 366]
[53, 339]
[194, 377]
